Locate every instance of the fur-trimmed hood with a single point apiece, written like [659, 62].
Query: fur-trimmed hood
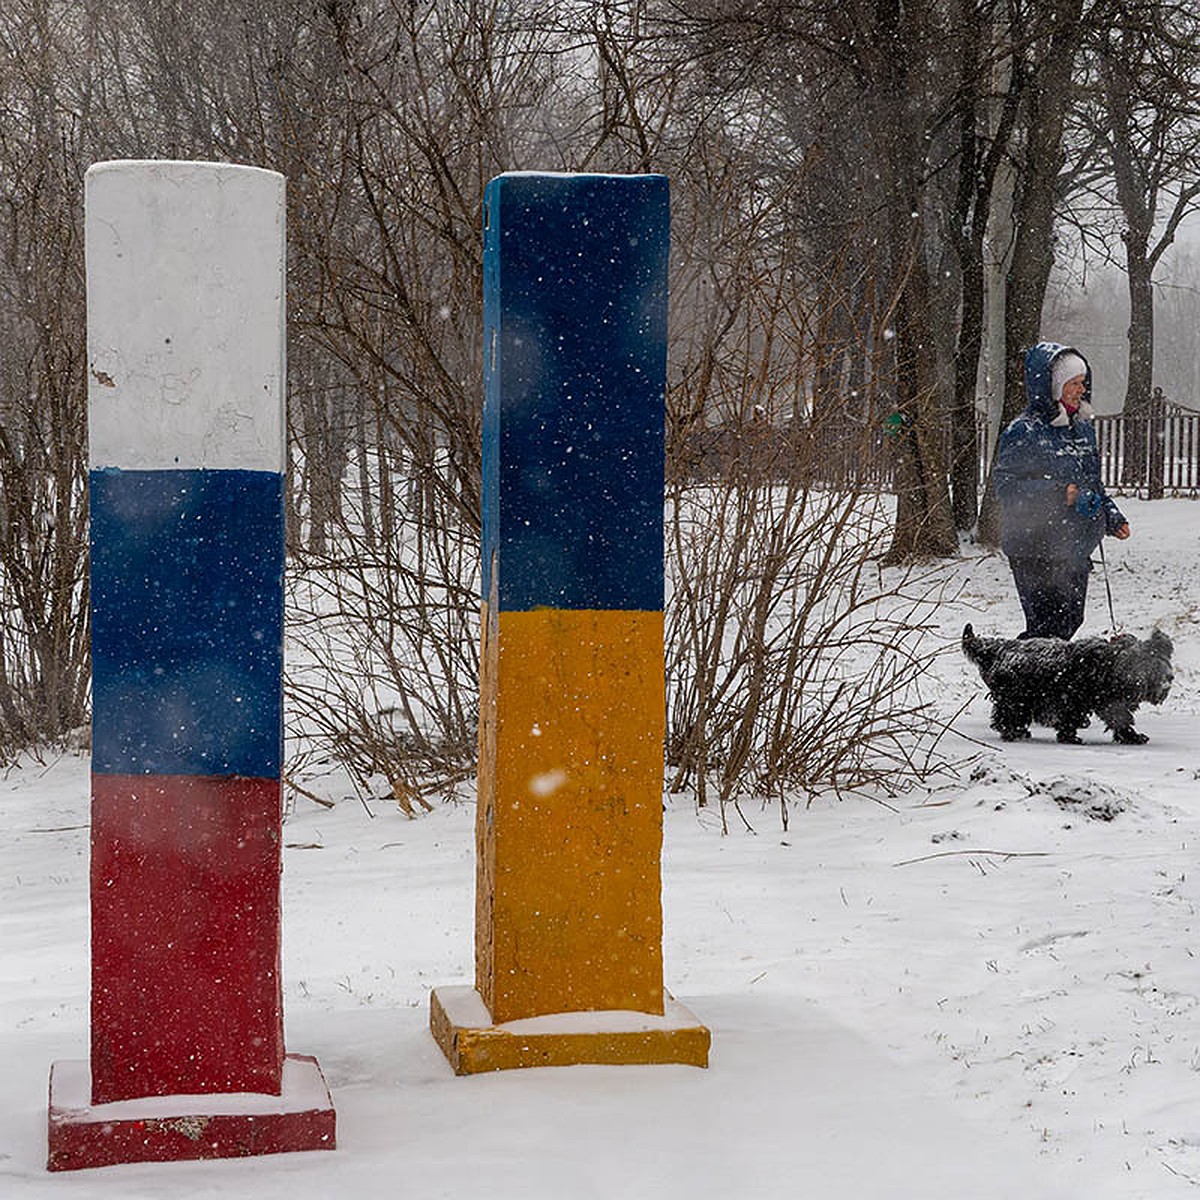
[1039, 369]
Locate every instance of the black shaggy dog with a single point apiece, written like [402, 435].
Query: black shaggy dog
[1046, 681]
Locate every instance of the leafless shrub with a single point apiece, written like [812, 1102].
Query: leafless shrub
[44, 647]
[383, 641]
[794, 659]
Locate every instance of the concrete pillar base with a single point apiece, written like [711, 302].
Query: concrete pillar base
[179, 1128]
[463, 1028]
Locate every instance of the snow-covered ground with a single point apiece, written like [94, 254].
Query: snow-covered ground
[988, 989]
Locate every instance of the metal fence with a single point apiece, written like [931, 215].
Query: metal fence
[1152, 455]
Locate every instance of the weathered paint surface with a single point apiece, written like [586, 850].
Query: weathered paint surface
[575, 347]
[186, 352]
[568, 895]
[186, 504]
[186, 1128]
[185, 936]
[187, 622]
[185, 278]
[473, 1044]
[570, 816]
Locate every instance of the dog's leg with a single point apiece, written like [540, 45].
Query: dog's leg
[1129, 737]
[1067, 721]
[1119, 719]
[1010, 721]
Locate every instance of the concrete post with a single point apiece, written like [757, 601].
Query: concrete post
[186, 310]
[569, 831]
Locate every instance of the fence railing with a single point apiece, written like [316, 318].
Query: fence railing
[1154, 454]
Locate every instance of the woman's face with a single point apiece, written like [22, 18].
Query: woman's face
[1072, 393]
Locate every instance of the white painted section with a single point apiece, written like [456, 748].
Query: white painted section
[186, 314]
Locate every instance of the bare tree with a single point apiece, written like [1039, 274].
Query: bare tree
[1047, 37]
[44, 648]
[813, 148]
[988, 101]
[1149, 67]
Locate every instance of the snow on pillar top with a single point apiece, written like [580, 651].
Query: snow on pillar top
[186, 311]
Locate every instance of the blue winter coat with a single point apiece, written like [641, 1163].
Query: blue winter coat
[1034, 463]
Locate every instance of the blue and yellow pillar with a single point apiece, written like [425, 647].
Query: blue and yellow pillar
[569, 825]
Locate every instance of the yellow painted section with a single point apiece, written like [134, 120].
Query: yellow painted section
[476, 1048]
[569, 828]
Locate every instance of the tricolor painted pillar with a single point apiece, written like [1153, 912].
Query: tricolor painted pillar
[568, 958]
[186, 309]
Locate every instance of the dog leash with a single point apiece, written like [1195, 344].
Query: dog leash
[1112, 616]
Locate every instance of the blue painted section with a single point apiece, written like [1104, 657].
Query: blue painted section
[187, 622]
[575, 344]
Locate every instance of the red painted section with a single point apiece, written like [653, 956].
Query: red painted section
[82, 1139]
[185, 937]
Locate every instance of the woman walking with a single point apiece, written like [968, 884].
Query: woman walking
[1054, 508]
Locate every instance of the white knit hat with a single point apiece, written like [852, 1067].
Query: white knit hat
[1066, 366]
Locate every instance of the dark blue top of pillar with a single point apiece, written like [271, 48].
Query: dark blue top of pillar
[575, 338]
[187, 622]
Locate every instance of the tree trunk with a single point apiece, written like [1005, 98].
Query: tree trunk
[924, 525]
[964, 466]
[1141, 332]
[1141, 365]
[1047, 99]
[990, 90]
[964, 453]
[1137, 207]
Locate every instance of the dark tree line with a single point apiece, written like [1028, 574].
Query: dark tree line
[857, 185]
[965, 131]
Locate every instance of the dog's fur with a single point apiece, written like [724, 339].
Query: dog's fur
[1046, 681]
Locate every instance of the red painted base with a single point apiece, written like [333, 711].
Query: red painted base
[186, 996]
[177, 1128]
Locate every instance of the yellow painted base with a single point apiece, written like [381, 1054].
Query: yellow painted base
[463, 1028]
[568, 913]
